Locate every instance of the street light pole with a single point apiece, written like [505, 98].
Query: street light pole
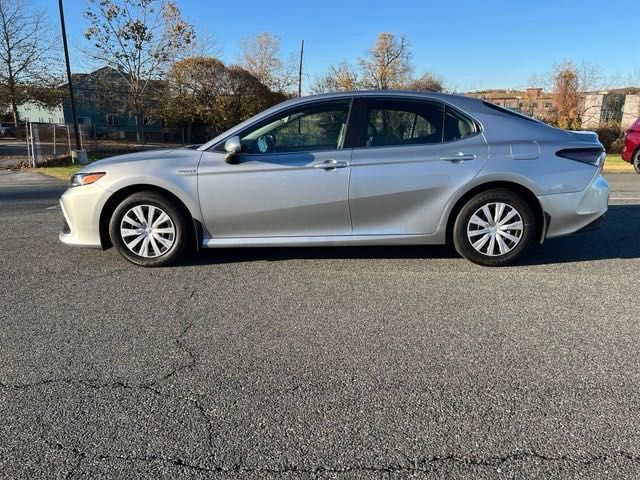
[80, 154]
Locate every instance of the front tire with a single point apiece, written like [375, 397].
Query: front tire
[494, 228]
[150, 231]
[636, 161]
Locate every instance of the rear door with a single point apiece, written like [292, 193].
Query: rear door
[411, 157]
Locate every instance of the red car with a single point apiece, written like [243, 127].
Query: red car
[631, 149]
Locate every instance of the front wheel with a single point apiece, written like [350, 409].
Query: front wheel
[494, 228]
[148, 230]
[636, 161]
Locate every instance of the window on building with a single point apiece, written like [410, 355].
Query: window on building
[113, 120]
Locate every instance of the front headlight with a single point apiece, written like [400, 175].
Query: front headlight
[85, 178]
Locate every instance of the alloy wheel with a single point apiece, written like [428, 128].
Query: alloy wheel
[495, 229]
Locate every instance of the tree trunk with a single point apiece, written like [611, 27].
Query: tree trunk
[14, 111]
[189, 125]
[140, 128]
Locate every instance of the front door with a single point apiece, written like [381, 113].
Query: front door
[290, 179]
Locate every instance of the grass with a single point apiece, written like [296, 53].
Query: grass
[62, 169]
[59, 172]
[613, 164]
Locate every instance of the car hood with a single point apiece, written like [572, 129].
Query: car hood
[161, 155]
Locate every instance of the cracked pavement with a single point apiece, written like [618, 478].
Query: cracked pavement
[317, 363]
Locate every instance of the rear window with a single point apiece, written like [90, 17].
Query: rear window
[509, 112]
[457, 125]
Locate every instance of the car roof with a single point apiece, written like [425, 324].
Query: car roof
[455, 99]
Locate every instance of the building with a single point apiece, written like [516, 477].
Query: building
[101, 106]
[532, 101]
[617, 106]
[33, 112]
[610, 107]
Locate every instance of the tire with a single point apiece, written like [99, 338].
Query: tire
[488, 243]
[167, 239]
[636, 161]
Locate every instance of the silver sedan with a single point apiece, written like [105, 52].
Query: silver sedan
[354, 168]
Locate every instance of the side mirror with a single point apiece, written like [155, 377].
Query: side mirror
[232, 147]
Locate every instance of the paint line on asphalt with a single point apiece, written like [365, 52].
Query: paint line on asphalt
[624, 198]
[52, 207]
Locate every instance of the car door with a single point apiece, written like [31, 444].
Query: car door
[290, 179]
[410, 159]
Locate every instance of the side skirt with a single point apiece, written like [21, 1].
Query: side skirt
[320, 241]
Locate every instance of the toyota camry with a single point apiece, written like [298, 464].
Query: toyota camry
[353, 168]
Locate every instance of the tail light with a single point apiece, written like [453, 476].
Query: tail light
[592, 156]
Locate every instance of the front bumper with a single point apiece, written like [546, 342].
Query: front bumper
[570, 212]
[81, 207]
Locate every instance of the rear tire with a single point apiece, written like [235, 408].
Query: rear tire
[149, 230]
[636, 161]
[494, 228]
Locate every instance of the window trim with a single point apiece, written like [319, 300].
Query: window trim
[219, 147]
[364, 104]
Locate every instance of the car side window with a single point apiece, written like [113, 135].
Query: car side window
[317, 127]
[457, 126]
[403, 122]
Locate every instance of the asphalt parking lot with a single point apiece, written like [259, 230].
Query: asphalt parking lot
[317, 363]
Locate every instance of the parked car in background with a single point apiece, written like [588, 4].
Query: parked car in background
[631, 149]
[7, 130]
[351, 168]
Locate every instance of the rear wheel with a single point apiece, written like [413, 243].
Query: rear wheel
[494, 228]
[148, 230]
[636, 161]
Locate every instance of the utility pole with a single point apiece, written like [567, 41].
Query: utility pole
[300, 70]
[78, 154]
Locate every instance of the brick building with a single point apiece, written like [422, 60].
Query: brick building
[617, 106]
[533, 101]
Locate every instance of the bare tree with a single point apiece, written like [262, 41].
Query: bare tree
[205, 44]
[262, 57]
[25, 48]
[570, 84]
[341, 77]
[139, 39]
[388, 63]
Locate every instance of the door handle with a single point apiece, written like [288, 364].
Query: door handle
[330, 164]
[458, 157]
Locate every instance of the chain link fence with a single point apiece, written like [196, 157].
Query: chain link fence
[36, 144]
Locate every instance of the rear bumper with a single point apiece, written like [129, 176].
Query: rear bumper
[571, 212]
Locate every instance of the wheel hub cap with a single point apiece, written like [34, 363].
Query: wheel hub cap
[147, 231]
[495, 229]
